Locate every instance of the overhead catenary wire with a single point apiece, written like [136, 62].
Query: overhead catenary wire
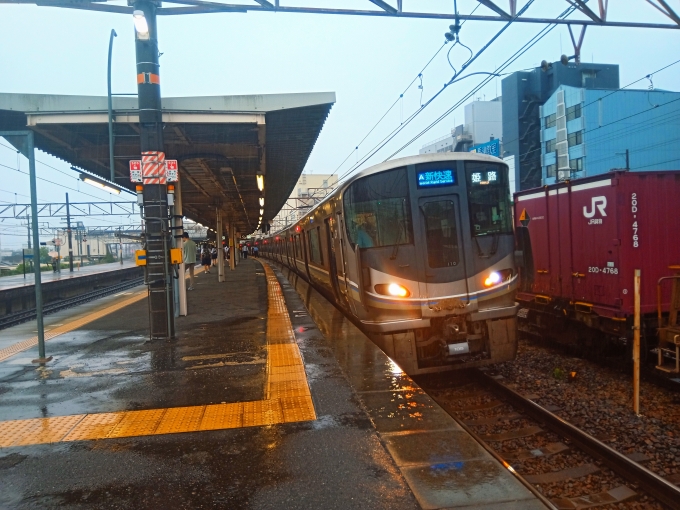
[509, 61]
[419, 76]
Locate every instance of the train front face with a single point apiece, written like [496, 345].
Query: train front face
[430, 261]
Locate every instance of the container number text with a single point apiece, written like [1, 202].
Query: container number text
[604, 270]
[634, 210]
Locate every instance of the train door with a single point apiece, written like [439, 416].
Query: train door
[332, 263]
[341, 273]
[442, 257]
[305, 252]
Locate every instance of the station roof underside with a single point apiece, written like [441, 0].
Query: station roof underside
[221, 143]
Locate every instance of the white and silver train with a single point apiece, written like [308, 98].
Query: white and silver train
[419, 251]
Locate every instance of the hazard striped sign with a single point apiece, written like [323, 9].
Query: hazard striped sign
[153, 167]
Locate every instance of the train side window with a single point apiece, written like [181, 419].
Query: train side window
[377, 210]
[488, 198]
[441, 234]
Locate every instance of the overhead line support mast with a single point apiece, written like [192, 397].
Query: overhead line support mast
[155, 194]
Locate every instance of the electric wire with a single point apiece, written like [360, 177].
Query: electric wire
[508, 62]
[418, 76]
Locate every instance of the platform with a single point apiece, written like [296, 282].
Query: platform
[16, 281]
[268, 398]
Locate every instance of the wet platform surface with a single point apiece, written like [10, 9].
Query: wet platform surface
[346, 429]
[16, 281]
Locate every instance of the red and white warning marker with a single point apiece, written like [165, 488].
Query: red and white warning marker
[153, 168]
[136, 170]
[172, 170]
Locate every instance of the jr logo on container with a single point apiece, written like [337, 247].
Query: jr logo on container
[597, 204]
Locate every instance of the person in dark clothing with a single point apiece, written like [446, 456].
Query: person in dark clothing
[206, 260]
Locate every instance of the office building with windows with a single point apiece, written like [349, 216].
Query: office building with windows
[588, 132]
[483, 122]
[524, 92]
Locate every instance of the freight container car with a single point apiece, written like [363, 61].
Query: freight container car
[580, 242]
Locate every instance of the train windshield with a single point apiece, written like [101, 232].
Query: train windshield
[377, 210]
[488, 198]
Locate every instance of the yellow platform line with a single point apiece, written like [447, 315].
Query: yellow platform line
[13, 349]
[287, 399]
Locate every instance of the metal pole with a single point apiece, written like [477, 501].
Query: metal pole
[181, 288]
[161, 302]
[218, 247]
[636, 344]
[70, 236]
[627, 159]
[232, 248]
[36, 251]
[120, 240]
[111, 160]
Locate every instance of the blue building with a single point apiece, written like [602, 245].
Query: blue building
[523, 93]
[588, 132]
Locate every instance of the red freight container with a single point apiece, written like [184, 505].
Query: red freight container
[587, 236]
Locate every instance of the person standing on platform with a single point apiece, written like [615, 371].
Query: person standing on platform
[213, 256]
[256, 251]
[205, 260]
[244, 250]
[189, 257]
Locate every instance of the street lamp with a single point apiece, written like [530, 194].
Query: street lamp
[141, 26]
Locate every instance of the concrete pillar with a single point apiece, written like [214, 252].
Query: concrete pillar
[231, 235]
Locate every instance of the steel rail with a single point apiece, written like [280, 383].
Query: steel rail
[627, 469]
[13, 319]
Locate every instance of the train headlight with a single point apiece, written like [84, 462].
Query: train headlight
[392, 289]
[497, 277]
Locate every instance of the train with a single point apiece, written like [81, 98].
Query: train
[419, 253]
[582, 241]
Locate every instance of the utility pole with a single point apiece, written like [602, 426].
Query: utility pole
[70, 236]
[155, 192]
[627, 159]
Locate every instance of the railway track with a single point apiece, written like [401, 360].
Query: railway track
[556, 459]
[13, 319]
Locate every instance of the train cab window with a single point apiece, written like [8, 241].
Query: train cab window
[488, 198]
[377, 210]
[441, 233]
[314, 246]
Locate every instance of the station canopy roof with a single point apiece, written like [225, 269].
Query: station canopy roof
[220, 142]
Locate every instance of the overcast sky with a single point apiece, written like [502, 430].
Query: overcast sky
[368, 62]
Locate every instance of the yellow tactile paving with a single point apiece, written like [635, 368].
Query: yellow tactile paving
[138, 423]
[287, 398]
[298, 409]
[94, 426]
[10, 351]
[50, 430]
[180, 419]
[222, 416]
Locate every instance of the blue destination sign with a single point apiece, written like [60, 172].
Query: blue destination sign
[492, 148]
[432, 178]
